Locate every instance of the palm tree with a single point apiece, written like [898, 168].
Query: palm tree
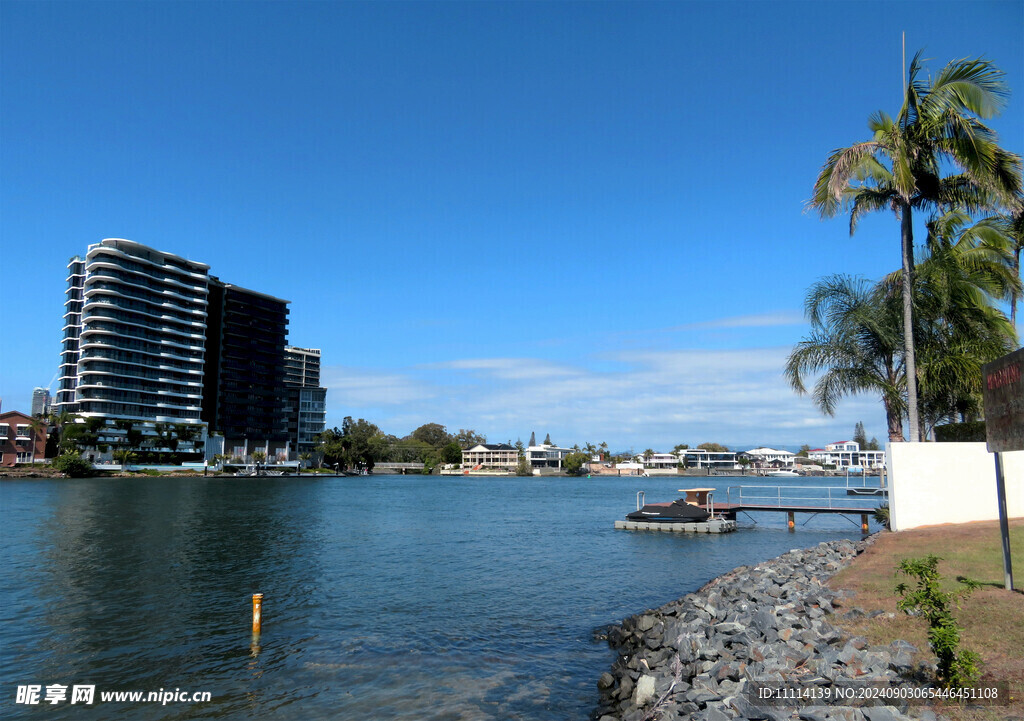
[305, 456]
[966, 270]
[855, 341]
[1014, 224]
[36, 425]
[124, 456]
[900, 168]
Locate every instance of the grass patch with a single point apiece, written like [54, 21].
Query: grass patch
[992, 618]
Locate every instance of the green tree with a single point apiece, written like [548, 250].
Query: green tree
[452, 453]
[125, 457]
[573, 463]
[356, 443]
[713, 447]
[433, 434]
[804, 450]
[258, 457]
[900, 169]
[854, 345]
[965, 272]
[469, 438]
[859, 436]
[36, 426]
[73, 465]
[81, 433]
[547, 440]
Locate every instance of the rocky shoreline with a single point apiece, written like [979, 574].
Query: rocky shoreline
[757, 643]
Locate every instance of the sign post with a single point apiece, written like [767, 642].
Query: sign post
[1004, 431]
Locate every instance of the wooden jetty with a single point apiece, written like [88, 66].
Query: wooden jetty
[773, 499]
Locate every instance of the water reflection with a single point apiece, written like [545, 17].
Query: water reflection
[385, 597]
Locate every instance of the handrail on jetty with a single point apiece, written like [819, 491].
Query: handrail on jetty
[777, 499]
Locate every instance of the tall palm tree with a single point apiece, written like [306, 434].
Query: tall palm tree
[900, 168]
[855, 344]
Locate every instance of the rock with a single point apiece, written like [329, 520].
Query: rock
[881, 713]
[606, 681]
[645, 623]
[813, 713]
[644, 690]
[729, 628]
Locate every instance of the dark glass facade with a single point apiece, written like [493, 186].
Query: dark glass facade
[244, 392]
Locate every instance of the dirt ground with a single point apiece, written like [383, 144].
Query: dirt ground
[992, 618]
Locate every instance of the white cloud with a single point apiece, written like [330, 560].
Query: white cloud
[647, 398]
[759, 320]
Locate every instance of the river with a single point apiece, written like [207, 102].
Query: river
[387, 597]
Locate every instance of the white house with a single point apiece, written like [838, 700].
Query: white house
[765, 457]
[846, 454]
[702, 458]
[490, 455]
[545, 456]
[659, 461]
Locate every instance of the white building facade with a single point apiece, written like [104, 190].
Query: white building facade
[769, 457]
[701, 458]
[492, 456]
[545, 456]
[847, 454]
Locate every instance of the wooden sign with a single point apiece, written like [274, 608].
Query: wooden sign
[1004, 402]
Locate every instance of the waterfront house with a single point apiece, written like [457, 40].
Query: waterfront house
[659, 461]
[847, 454]
[18, 442]
[702, 458]
[768, 458]
[496, 456]
[546, 456]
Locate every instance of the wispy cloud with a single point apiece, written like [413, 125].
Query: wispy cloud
[760, 320]
[627, 398]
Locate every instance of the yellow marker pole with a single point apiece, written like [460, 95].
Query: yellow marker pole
[792, 520]
[257, 612]
[864, 523]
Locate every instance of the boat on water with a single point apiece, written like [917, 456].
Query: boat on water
[677, 511]
[783, 474]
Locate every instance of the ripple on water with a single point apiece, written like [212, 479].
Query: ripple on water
[385, 597]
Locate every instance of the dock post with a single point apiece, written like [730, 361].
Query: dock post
[257, 613]
[864, 523]
[792, 520]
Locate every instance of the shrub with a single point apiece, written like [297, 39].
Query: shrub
[957, 668]
[961, 432]
[73, 465]
[881, 515]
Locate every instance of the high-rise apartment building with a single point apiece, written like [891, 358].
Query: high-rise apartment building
[244, 397]
[134, 335]
[307, 400]
[153, 338]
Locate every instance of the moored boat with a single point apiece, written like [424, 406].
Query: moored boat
[678, 511]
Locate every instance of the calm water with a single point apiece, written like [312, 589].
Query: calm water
[387, 597]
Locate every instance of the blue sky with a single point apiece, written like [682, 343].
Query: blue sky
[582, 219]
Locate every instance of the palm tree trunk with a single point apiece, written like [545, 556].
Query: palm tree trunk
[909, 363]
[1013, 297]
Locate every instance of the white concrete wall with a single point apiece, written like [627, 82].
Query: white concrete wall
[933, 483]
